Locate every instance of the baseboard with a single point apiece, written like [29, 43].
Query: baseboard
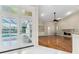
[17, 49]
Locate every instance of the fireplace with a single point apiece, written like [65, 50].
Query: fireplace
[67, 32]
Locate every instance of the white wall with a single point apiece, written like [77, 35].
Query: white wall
[35, 26]
[70, 22]
[49, 28]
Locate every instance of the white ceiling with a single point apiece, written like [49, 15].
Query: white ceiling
[46, 11]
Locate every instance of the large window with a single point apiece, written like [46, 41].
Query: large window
[9, 31]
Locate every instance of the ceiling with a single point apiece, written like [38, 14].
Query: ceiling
[46, 11]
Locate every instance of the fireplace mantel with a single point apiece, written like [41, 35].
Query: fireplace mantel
[67, 32]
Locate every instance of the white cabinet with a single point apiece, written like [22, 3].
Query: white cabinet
[75, 43]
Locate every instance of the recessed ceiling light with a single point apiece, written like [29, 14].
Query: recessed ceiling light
[42, 14]
[68, 13]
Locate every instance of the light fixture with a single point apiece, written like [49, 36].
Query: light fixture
[58, 18]
[55, 20]
[68, 13]
[48, 28]
[42, 14]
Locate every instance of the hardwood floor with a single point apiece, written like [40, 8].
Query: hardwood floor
[57, 42]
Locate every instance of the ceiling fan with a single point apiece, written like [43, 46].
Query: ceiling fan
[55, 19]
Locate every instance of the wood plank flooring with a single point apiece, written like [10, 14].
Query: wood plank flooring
[57, 42]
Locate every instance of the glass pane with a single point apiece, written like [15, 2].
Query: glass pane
[26, 31]
[9, 31]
